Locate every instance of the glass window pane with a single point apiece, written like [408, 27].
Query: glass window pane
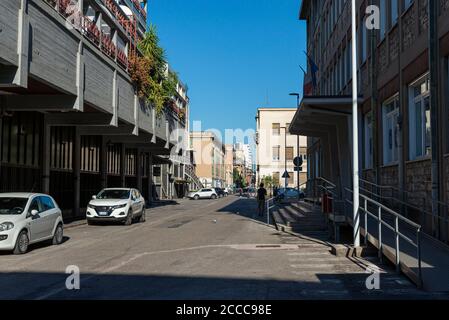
[418, 126]
[427, 128]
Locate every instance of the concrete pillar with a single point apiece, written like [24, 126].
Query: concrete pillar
[139, 169]
[150, 179]
[122, 166]
[76, 173]
[46, 157]
[104, 163]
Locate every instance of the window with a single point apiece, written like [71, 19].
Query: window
[390, 115]
[407, 4]
[419, 119]
[47, 203]
[289, 153]
[287, 125]
[364, 41]
[291, 178]
[394, 12]
[276, 153]
[276, 128]
[35, 205]
[368, 141]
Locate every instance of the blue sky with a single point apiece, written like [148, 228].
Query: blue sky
[235, 55]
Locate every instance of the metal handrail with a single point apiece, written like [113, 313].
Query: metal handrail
[423, 209]
[269, 207]
[398, 234]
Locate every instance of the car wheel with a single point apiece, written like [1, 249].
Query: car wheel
[22, 243]
[213, 196]
[196, 197]
[129, 219]
[142, 216]
[59, 235]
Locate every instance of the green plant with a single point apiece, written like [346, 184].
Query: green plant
[149, 73]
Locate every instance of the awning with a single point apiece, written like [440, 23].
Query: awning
[316, 113]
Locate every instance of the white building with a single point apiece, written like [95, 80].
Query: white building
[276, 147]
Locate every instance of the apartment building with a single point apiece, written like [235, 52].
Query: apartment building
[276, 147]
[71, 122]
[397, 123]
[209, 158]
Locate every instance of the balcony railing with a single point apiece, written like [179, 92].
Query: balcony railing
[91, 31]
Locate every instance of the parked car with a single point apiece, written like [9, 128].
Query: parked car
[205, 193]
[220, 192]
[116, 204]
[27, 218]
[290, 193]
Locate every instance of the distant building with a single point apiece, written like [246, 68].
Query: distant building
[229, 165]
[244, 162]
[209, 157]
[273, 154]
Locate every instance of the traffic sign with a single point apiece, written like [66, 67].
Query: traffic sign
[286, 175]
[297, 161]
[298, 169]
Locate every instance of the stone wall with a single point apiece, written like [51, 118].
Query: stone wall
[418, 182]
[389, 176]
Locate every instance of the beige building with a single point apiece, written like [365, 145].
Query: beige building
[276, 147]
[229, 165]
[209, 157]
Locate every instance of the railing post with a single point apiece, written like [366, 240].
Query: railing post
[366, 222]
[418, 246]
[379, 217]
[268, 211]
[396, 231]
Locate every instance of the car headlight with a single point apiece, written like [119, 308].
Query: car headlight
[91, 206]
[119, 206]
[5, 226]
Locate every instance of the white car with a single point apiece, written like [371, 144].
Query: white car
[116, 204]
[27, 218]
[205, 193]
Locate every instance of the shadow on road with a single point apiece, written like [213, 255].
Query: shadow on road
[35, 285]
[246, 207]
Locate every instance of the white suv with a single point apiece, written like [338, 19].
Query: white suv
[205, 193]
[27, 218]
[116, 204]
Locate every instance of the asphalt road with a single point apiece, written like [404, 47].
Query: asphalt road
[206, 249]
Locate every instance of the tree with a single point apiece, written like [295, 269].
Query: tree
[238, 179]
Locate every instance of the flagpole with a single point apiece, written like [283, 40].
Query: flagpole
[355, 132]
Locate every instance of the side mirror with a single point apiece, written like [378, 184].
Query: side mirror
[94, 197]
[34, 212]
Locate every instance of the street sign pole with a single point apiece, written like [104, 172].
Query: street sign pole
[355, 142]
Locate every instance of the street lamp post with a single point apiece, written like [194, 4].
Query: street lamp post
[285, 157]
[297, 143]
[355, 143]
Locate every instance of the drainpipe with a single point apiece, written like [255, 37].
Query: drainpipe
[434, 96]
[374, 107]
[402, 108]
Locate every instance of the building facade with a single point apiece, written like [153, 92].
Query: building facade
[276, 147]
[229, 165]
[71, 122]
[403, 127]
[209, 158]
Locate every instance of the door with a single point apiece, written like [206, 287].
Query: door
[135, 204]
[49, 215]
[36, 223]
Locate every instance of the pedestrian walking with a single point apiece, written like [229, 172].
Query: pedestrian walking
[261, 194]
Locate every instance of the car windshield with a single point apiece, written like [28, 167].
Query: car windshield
[12, 205]
[113, 194]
